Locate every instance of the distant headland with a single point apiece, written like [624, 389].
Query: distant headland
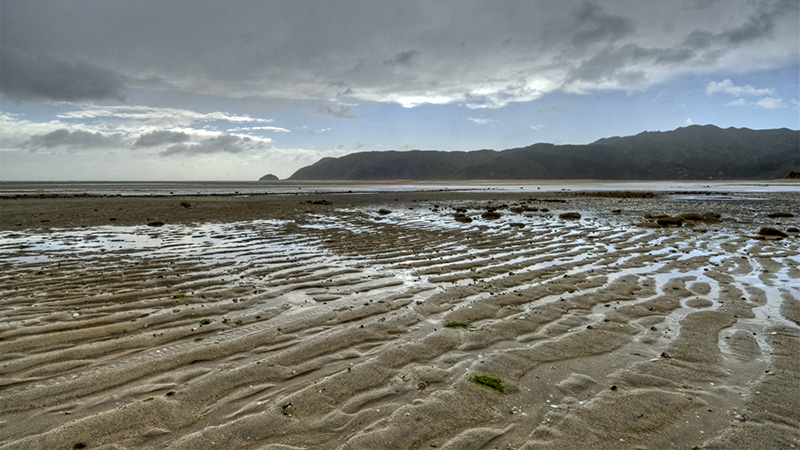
[693, 152]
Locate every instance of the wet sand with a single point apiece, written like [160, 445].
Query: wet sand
[282, 322]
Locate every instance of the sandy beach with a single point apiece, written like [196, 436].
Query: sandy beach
[408, 320]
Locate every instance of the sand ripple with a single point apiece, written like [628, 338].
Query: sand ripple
[330, 331]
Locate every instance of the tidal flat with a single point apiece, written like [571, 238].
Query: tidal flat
[578, 319]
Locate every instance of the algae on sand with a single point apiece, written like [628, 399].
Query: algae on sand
[489, 381]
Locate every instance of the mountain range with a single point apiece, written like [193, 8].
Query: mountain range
[693, 152]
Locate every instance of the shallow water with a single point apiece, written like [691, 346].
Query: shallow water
[160, 188]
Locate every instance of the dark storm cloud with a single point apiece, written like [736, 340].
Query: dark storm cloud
[222, 144]
[26, 76]
[412, 52]
[157, 138]
[76, 139]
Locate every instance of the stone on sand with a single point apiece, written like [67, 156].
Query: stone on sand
[491, 214]
[668, 221]
[569, 216]
[463, 218]
[770, 232]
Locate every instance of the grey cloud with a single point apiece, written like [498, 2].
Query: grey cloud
[608, 64]
[26, 76]
[361, 50]
[157, 138]
[675, 56]
[756, 27]
[222, 144]
[619, 64]
[624, 65]
[344, 112]
[761, 24]
[407, 59]
[699, 40]
[345, 94]
[76, 139]
[597, 25]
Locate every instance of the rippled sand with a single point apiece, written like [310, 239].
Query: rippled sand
[329, 325]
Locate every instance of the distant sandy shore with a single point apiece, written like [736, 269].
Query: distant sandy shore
[380, 321]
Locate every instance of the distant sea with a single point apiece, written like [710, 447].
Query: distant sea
[166, 188]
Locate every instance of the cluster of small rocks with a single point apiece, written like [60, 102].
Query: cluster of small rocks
[667, 221]
[491, 211]
[690, 218]
[773, 233]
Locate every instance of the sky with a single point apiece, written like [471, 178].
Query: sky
[233, 90]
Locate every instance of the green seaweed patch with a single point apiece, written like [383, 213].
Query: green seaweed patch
[456, 325]
[179, 296]
[205, 322]
[489, 381]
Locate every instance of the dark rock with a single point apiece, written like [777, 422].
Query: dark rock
[771, 232]
[792, 230]
[667, 221]
[517, 225]
[463, 218]
[384, 211]
[694, 216]
[491, 215]
[569, 216]
[708, 216]
[648, 224]
[780, 215]
[155, 222]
